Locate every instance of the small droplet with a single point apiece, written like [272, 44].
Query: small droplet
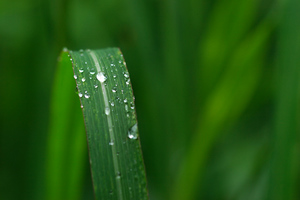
[80, 94]
[120, 61]
[133, 132]
[112, 65]
[125, 100]
[112, 104]
[131, 105]
[85, 62]
[118, 175]
[114, 76]
[75, 77]
[81, 50]
[127, 82]
[87, 96]
[83, 79]
[114, 90]
[96, 86]
[126, 107]
[126, 75]
[92, 73]
[81, 70]
[101, 77]
[107, 110]
[111, 143]
[81, 106]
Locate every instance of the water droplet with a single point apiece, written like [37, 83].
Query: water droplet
[126, 107]
[126, 75]
[127, 115]
[87, 96]
[81, 70]
[122, 91]
[112, 65]
[131, 105]
[80, 94]
[125, 100]
[133, 132]
[83, 79]
[111, 143]
[118, 175]
[127, 82]
[112, 104]
[114, 76]
[85, 62]
[81, 106]
[71, 59]
[96, 86]
[101, 77]
[81, 50]
[75, 77]
[107, 110]
[114, 90]
[65, 49]
[120, 61]
[92, 73]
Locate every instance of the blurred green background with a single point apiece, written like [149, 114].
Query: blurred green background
[217, 87]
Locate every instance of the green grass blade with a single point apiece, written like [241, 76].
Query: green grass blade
[285, 151]
[108, 107]
[67, 147]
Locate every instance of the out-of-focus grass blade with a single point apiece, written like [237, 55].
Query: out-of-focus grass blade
[107, 102]
[223, 106]
[67, 147]
[285, 152]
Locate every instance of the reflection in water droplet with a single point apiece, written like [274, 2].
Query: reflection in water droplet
[87, 96]
[107, 110]
[114, 90]
[80, 94]
[101, 77]
[133, 132]
[81, 70]
[125, 100]
[83, 79]
[92, 73]
[75, 77]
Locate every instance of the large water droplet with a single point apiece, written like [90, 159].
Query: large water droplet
[101, 77]
[133, 132]
[107, 110]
